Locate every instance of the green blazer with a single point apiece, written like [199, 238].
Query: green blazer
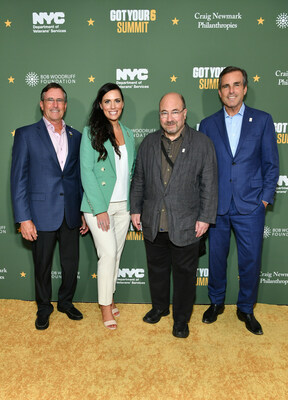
[99, 177]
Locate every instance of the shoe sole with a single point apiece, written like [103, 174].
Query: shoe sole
[182, 336]
[259, 333]
[71, 316]
[155, 322]
[214, 320]
[42, 327]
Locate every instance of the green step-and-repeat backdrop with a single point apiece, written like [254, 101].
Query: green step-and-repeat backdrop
[148, 48]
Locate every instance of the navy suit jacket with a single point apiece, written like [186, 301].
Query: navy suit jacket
[252, 174]
[41, 191]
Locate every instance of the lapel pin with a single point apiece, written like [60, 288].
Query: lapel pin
[183, 150]
[250, 119]
[70, 133]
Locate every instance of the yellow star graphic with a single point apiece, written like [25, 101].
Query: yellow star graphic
[173, 78]
[256, 78]
[260, 21]
[11, 79]
[8, 23]
[19, 229]
[91, 78]
[23, 274]
[175, 21]
[13, 133]
[90, 22]
[94, 276]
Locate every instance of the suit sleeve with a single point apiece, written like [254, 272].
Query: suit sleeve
[269, 161]
[137, 184]
[90, 183]
[20, 178]
[202, 127]
[209, 186]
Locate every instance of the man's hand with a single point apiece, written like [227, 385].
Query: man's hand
[201, 228]
[84, 228]
[136, 221]
[28, 230]
[265, 203]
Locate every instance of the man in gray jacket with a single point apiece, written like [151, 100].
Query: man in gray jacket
[174, 199]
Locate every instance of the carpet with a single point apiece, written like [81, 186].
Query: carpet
[82, 360]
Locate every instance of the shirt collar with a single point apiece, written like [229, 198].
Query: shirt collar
[181, 136]
[240, 112]
[51, 126]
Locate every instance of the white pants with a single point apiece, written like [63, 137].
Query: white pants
[109, 246]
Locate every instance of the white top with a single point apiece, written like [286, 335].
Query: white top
[121, 186]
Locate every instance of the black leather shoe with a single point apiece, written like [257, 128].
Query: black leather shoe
[42, 322]
[71, 312]
[180, 330]
[211, 314]
[154, 315]
[251, 322]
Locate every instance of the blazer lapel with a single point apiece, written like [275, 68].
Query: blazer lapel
[70, 141]
[245, 128]
[220, 123]
[110, 154]
[129, 146]
[183, 151]
[44, 136]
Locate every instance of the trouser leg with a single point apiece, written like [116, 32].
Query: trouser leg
[159, 270]
[43, 249]
[184, 271]
[219, 243]
[249, 237]
[69, 259]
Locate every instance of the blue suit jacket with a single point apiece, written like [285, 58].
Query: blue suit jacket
[41, 191]
[252, 174]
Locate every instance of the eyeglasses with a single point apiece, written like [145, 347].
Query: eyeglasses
[51, 101]
[174, 113]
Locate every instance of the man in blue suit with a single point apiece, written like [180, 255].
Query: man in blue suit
[248, 171]
[46, 195]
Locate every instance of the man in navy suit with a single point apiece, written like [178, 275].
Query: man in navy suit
[248, 171]
[46, 195]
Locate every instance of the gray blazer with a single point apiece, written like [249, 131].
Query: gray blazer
[191, 194]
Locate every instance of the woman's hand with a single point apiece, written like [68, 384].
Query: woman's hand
[103, 221]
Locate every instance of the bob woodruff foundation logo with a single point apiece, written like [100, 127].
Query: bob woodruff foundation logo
[33, 79]
[282, 21]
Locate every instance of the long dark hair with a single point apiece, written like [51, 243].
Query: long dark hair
[101, 128]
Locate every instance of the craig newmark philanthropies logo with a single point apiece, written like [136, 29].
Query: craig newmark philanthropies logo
[282, 21]
[48, 22]
[215, 20]
[135, 78]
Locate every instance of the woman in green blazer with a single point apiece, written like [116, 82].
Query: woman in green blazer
[107, 155]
